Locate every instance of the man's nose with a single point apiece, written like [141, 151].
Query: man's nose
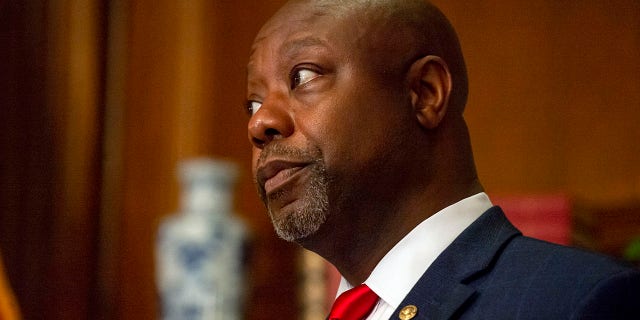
[272, 121]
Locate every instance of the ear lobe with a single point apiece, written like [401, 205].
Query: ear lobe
[430, 82]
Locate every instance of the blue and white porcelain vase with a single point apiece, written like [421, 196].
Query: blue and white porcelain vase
[200, 249]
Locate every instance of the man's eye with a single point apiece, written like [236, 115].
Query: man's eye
[302, 76]
[253, 107]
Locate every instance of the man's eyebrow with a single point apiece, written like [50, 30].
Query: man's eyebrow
[292, 47]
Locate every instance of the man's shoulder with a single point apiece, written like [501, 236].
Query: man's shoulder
[536, 275]
[541, 255]
[492, 271]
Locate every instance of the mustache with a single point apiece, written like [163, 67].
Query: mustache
[287, 152]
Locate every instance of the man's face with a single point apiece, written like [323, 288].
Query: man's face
[322, 127]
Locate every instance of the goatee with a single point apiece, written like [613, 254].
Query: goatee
[304, 220]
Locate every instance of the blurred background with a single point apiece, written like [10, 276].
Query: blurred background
[101, 99]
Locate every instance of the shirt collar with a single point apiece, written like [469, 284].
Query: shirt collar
[400, 269]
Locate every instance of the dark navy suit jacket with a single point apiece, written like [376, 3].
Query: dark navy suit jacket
[491, 271]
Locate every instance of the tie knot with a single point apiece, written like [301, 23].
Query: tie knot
[354, 304]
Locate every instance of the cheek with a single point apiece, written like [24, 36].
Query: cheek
[347, 139]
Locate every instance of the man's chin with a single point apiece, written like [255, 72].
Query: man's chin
[297, 235]
[296, 225]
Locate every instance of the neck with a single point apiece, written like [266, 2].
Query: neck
[357, 253]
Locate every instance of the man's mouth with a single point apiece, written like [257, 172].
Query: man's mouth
[276, 174]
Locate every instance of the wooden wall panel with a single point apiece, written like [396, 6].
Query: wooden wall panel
[53, 116]
[74, 93]
[149, 150]
[601, 60]
[555, 93]
[26, 147]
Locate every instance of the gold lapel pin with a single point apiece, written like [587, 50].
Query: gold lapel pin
[408, 312]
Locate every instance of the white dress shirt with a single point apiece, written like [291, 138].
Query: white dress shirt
[400, 269]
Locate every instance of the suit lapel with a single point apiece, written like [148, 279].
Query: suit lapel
[442, 290]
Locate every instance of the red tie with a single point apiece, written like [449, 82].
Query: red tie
[354, 304]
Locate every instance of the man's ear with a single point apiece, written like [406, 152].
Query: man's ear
[430, 82]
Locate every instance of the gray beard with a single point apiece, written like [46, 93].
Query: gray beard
[304, 220]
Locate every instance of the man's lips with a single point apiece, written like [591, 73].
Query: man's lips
[276, 173]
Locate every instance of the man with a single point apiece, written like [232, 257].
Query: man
[362, 155]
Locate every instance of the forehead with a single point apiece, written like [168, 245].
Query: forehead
[299, 27]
